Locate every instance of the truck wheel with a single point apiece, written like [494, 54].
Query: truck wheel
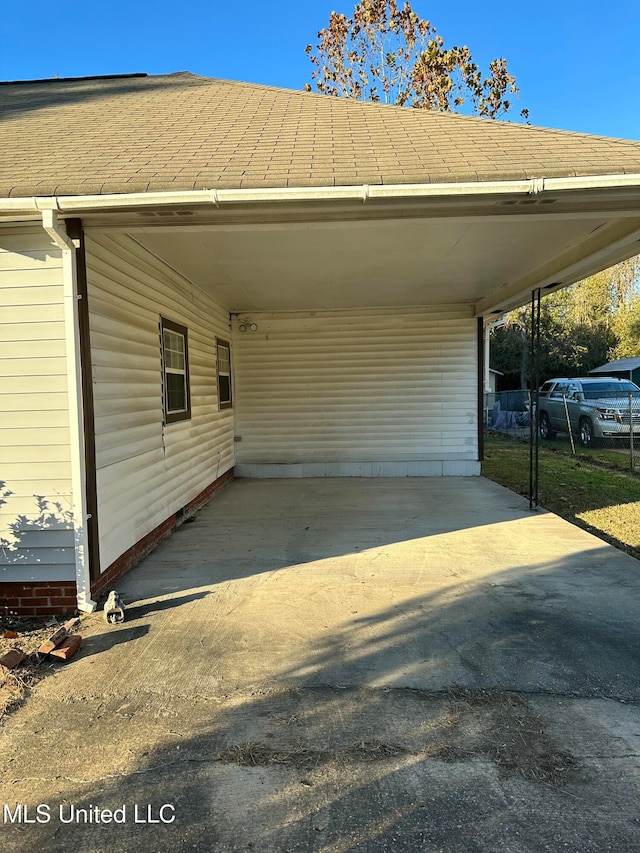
[586, 433]
[545, 426]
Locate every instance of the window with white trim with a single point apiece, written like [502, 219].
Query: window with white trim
[223, 369]
[175, 371]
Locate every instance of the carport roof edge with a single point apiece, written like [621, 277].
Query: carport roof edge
[363, 193]
[181, 132]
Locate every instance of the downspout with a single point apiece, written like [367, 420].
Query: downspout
[76, 409]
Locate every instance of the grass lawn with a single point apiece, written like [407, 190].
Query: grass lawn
[610, 458]
[590, 491]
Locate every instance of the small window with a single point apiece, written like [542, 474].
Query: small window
[223, 352]
[544, 391]
[561, 390]
[175, 371]
[574, 391]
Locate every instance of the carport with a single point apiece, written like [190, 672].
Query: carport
[207, 279]
[356, 646]
[351, 665]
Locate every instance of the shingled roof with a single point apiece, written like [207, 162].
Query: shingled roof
[143, 133]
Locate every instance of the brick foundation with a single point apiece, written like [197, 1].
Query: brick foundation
[38, 598]
[144, 546]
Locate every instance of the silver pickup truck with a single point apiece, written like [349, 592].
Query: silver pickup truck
[596, 408]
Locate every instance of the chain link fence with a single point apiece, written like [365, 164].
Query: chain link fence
[606, 428]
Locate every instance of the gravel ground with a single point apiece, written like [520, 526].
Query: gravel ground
[25, 634]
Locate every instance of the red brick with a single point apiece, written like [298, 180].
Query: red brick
[58, 594]
[26, 591]
[58, 610]
[58, 636]
[67, 649]
[38, 598]
[54, 640]
[57, 591]
[11, 660]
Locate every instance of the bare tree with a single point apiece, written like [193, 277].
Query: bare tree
[388, 54]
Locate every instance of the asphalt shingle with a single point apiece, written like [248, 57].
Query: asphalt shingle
[184, 132]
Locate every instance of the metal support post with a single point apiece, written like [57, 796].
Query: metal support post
[534, 384]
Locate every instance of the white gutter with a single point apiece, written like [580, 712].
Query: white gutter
[363, 193]
[76, 409]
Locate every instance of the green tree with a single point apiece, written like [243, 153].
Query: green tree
[627, 330]
[626, 319]
[386, 53]
[582, 327]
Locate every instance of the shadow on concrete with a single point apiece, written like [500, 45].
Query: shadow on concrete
[250, 528]
[483, 717]
[97, 643]
[139, 611]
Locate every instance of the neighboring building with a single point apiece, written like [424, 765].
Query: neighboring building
[625, 368]
[201, 279]
[493, 380]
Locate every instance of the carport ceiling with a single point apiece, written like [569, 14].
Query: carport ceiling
[489, 262]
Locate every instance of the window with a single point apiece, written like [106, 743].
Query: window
[223, 351]
[575, 391]
[175, 371]
[561, 390]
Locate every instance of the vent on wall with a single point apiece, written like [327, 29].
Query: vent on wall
[152, 214]
[510, 202]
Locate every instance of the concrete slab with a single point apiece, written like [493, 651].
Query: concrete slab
[344, 665]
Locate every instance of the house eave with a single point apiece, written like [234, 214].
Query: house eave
[78, 204]
[610, 202]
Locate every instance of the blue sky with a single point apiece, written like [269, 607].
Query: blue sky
[576, 62]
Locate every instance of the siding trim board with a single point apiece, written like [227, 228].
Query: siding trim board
[79, 515]
[76, 232]
[480, 352]
[421, 468]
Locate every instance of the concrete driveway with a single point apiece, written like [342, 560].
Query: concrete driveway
[348, 665]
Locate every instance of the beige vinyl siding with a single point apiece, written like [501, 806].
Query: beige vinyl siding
[35, 467]
[147, 472]
[362, 393]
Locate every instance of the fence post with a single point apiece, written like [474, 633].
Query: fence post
[631, 459]
[570, 431]
[534, 417]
